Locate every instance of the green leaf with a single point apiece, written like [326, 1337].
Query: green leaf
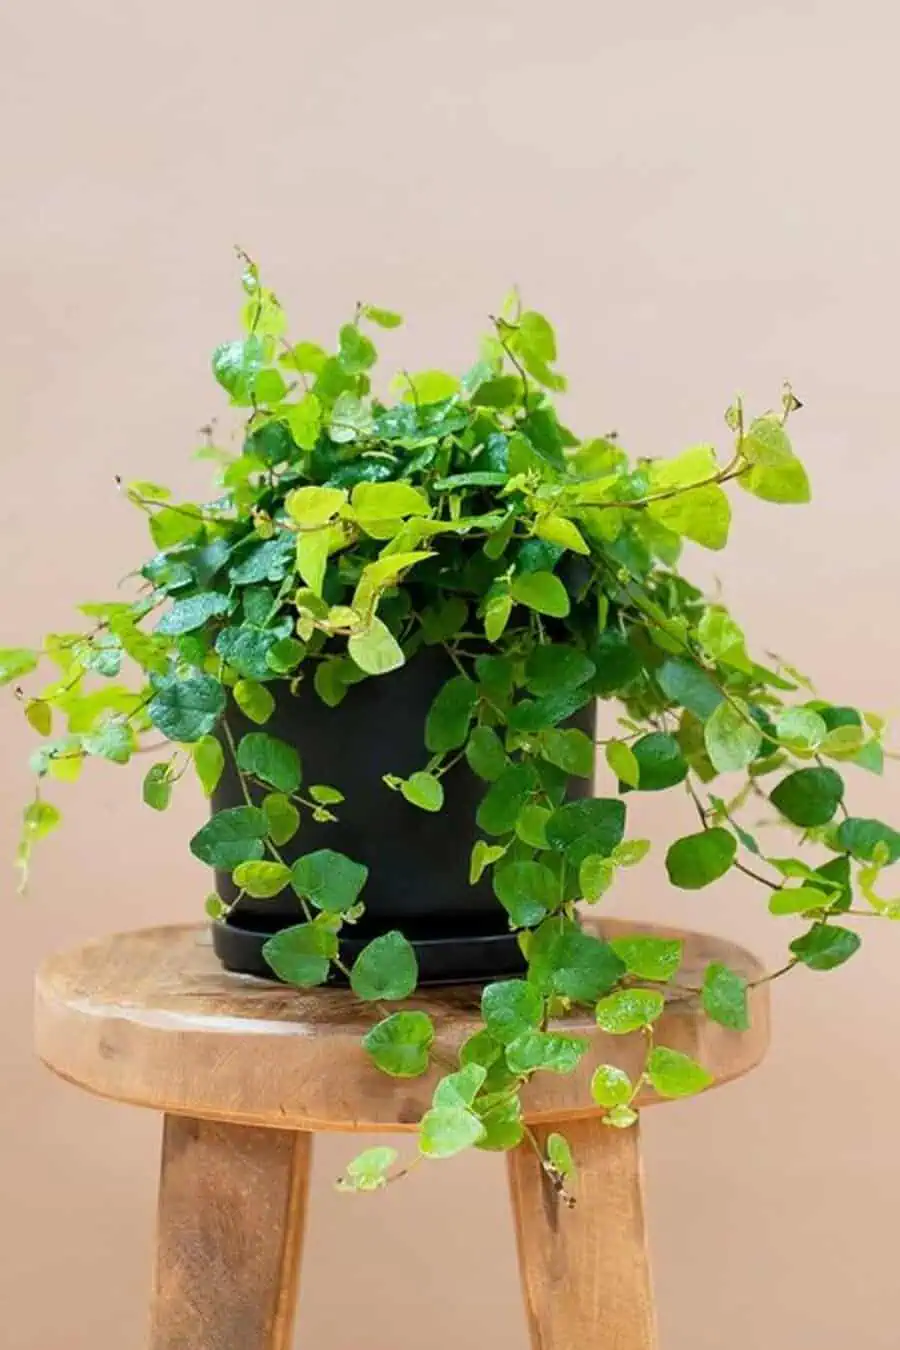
[497, 609]
[209, 761]
[485, 754]
[537, 714]
[186, 709]
[673, 1074]
[15, 662]
[399, 1044]
[564, 960]
[620, 1117]
[445, 1131]
[559, 530]
[809, 797]
[543, 592]
[504, 799]
[261, 880]
[689, 686]
[376, 650]
[447, 723]
[550, 1050]
[356, 352]
[193, 612]
[800, 729]
[531, 825]
[423, 790]
[312, 558]
[611, 1086]
[385, 968]
[368, 1170]
[236, 365]
[157, 788]
[527, 890]
[460, 1088]
[311, 507]
[572, 751]
[595, 876]
[304, 420]
[799, 900]
[302, 955]
[697, 860]
[660, 762]
[767, 442]
[510, 1008]
[254, 701]
[271, 760]
[731, 737]
[230, 837]
[282, 818]
[384, 318]
[623, 762]
[483, 855]
[629, 1010]
[374, 503]
[649, 958]
[787, 483]
[617, 663]
[443, 619]
[559, 1155]
[245, 650]
[555, 666]
[826, 946]
[331, 881]
[428, 386]
[580, 828]
[503, 1127]
[865, 839]
[285, 656]
[630, 852]
[702, 514]
[725, 997]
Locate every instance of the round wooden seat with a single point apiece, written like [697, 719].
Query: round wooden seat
[150, 1018]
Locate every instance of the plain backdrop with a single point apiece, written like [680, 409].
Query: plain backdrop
[704, 198]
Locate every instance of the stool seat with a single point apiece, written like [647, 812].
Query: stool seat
[150, 1018]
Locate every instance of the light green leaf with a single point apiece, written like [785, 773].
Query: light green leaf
[800, 728]
[611, 1086]
[701, 513]
[564, 960]
[368, 1170]
[497, 609]
[445, 1131]
[673, 1074]
[326, 795]
[399, 1044]
[629, 1010]
[157, 788]
[623, 763]
[766, 442]
[550, 1050]
[209, 761]
[460, 1088]
[385, 968]
[302, 955]
[527, 890]
[376, 502]
[186, 709]
[543, 592]
[15, 662]
[330, 880]
[383, 573]
[571, 750]
[428, 386]
[254, 701]
[595, 876]
[725, 997]
[193, 612]
[384, 318]
[311, 507]
[559, 1155]
[630, 852]
[787, 483]
[282, 818]
[620, 1117]
[230, 837]
[304, 419]
[686, 684]
[697, 860]
[261, 880]
[799, 899]
[650, 958]
[312, 557]
[483, 855]
[376, 650]
[503, 1126]
[271, 760]
[510, 1008]
[731, 737]
[531, 825]
[561, 531]
[423, 790]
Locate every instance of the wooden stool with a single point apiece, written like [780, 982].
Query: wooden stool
[246, 1072]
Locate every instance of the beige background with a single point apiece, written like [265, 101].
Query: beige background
[704, 196]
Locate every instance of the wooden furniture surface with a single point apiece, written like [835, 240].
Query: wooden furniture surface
[246, 1071]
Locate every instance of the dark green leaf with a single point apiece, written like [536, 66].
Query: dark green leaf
[661, 764]
[230, 837]
[193, 612]
[699, 859]
[527, 890]
[272, 761]
[399, 1044]
[862, 837]
[592, 825]
[725, 997]
[505, 798]
[332, 881]
[184, 710]
[616, 661]
[689, 686]
[554, 667]
[564, 960]
[245, 649]
[447, 724]
[809, 797]
[825, 946]
[536, 714]
[385, 968]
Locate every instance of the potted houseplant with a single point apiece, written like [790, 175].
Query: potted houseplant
[380, 647]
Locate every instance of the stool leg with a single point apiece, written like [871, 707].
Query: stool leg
[231, 1210]
[585, 1271]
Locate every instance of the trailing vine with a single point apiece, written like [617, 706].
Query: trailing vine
[350, 533]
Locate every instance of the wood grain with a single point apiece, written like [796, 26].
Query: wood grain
[585, 1270]
[231, 1212]
[150, 1018]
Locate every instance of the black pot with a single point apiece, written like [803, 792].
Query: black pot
[418, 861]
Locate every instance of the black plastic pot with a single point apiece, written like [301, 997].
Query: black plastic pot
[418, 861]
